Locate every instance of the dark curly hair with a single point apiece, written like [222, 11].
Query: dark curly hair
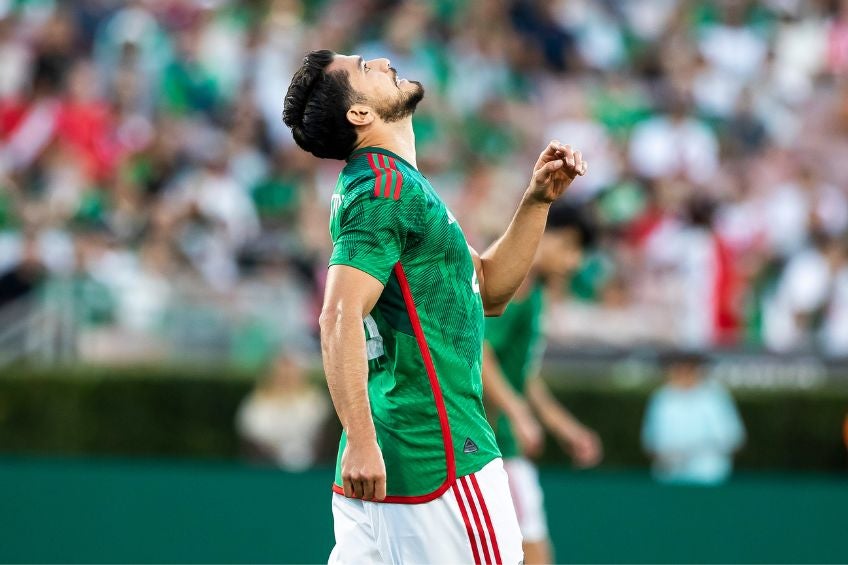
[316, 105]
[564, 215]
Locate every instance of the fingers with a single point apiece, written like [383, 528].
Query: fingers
[533, 447]
[530, 439]
[357, 487]
[567, 155]
[574, 163]
[368, 489]
[580, 166]
[550, 152]
[353, 485]
[365, 488]
[380, 489]
[363, 471]
[571, 158]
[548, 168]
[588, 452]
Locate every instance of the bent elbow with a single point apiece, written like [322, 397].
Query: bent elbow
[328, 319]
[494, 309]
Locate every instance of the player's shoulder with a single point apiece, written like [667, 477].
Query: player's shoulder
[380, 174]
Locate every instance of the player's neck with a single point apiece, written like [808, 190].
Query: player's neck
[398, 137]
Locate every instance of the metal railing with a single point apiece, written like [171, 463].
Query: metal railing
[53, 326]
[35, 332]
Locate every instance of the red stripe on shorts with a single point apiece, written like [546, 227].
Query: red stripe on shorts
[487, 518]
[468, 529]
[480, 531]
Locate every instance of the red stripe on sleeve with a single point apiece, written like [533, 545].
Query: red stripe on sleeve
[468, 529]
[390, 176]
[398, 178]
[377, 174]
[480, 532]
[487, 518]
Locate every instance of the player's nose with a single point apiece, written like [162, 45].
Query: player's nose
[383, 64]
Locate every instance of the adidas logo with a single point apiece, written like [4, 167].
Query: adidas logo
[470, 446]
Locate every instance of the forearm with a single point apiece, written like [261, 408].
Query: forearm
[506, 262]
[495, 388]
[551, 413]
[346, 369]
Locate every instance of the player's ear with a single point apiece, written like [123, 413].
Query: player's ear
[360, 115]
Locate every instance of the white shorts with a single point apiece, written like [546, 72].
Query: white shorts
[473, 522]
[528, 499]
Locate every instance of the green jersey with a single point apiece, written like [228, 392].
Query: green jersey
[516, 339]
[424, 336]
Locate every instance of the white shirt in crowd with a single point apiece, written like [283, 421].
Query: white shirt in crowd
[664, 147]
[286, 426]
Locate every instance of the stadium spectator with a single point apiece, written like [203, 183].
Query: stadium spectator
[24, 277]
[283, 418]
[161, 121]
[691, 427]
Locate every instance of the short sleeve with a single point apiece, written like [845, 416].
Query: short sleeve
[372, 233]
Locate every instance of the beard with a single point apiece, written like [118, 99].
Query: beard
[402, 107]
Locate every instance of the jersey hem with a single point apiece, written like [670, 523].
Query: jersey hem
[401, 499]
[420, 499]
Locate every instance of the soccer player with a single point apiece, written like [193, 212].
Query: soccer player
[419, 476]
[511, 357]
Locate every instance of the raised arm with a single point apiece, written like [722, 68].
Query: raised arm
[349, 297]
[503, 266]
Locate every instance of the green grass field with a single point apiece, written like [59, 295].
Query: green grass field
[71, 511]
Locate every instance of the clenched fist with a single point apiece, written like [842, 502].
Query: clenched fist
[363, 470]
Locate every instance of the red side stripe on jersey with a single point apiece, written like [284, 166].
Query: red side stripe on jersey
[487, 518]
[468, 529]
[431, 370]
[398, 179]
[480, 531]
[450, 463]
[378, 174]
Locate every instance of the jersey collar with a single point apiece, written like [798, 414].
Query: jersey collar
[363, 150]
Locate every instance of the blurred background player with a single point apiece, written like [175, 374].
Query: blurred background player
[419, 475]
[512, 356]
[691, 428]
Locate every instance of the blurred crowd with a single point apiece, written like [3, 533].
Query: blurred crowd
[143, 157]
